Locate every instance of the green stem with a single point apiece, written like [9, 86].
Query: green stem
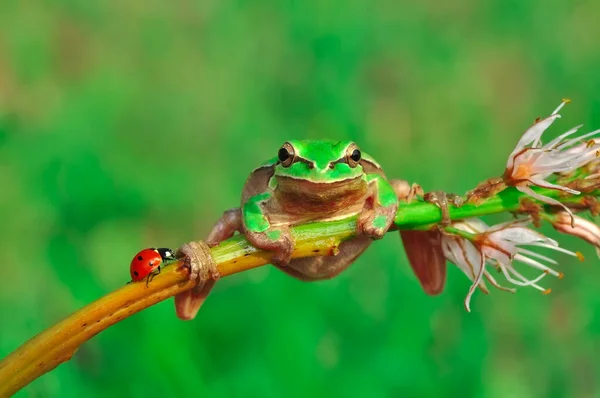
[416, 215]
[421, 215]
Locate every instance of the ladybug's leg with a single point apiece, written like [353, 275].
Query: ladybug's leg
[152, 275]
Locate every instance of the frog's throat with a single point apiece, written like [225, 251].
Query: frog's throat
[296, 196]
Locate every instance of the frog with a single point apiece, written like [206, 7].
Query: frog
[319, 181]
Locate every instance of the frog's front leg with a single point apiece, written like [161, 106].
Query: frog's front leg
[380, 208]
[262, 234]
[228, 224]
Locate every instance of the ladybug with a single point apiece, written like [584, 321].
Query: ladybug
[146, 264]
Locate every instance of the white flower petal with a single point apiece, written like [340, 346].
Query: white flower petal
[477, 281]
[531, 134]
[503, 254]
[463, 254]
[509, 224]
[544, 184]
[499, 246]
[472, 225]
[519, 235]
[572, 141]
[531, 163]
[561, 137]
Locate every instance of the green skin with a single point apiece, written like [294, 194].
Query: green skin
[322, 181]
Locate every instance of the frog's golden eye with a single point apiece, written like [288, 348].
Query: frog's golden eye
[353, 155]
[286, 154]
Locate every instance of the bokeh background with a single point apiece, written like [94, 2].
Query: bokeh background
[128, 124]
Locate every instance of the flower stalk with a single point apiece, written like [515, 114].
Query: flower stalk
[58, 343]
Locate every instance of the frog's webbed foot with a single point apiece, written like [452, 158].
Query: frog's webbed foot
[228, 224]
[442, 200]
[277, 240]
[375, 222]
[197, 257]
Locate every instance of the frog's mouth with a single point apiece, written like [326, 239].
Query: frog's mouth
[302, 196]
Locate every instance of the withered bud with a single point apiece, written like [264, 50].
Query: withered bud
[581, 228]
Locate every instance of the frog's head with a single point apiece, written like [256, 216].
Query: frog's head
[319, 161]
[319, 172]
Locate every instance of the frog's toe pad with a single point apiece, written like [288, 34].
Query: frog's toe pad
[373, 232]
[369, 226]
[279, 242]
[376, 222]
[198, 259]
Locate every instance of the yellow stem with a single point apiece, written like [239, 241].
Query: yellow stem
[58, 343]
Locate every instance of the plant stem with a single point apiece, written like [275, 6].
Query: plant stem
[57, 344]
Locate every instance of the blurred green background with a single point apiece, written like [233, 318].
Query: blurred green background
[128, 124]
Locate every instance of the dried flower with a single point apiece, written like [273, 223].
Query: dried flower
[498, 247]
[531, 162]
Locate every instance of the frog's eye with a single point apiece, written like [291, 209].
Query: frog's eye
[353, 155]
[286, 154]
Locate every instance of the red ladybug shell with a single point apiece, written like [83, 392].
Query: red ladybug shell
[144, 263]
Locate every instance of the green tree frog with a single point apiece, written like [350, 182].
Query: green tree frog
[320, 180]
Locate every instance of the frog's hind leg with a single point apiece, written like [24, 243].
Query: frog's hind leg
[317, 268]
[423, 248]
[188, 303]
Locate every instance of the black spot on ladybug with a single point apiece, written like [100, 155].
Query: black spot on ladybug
[135, 273]
[140, 258]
